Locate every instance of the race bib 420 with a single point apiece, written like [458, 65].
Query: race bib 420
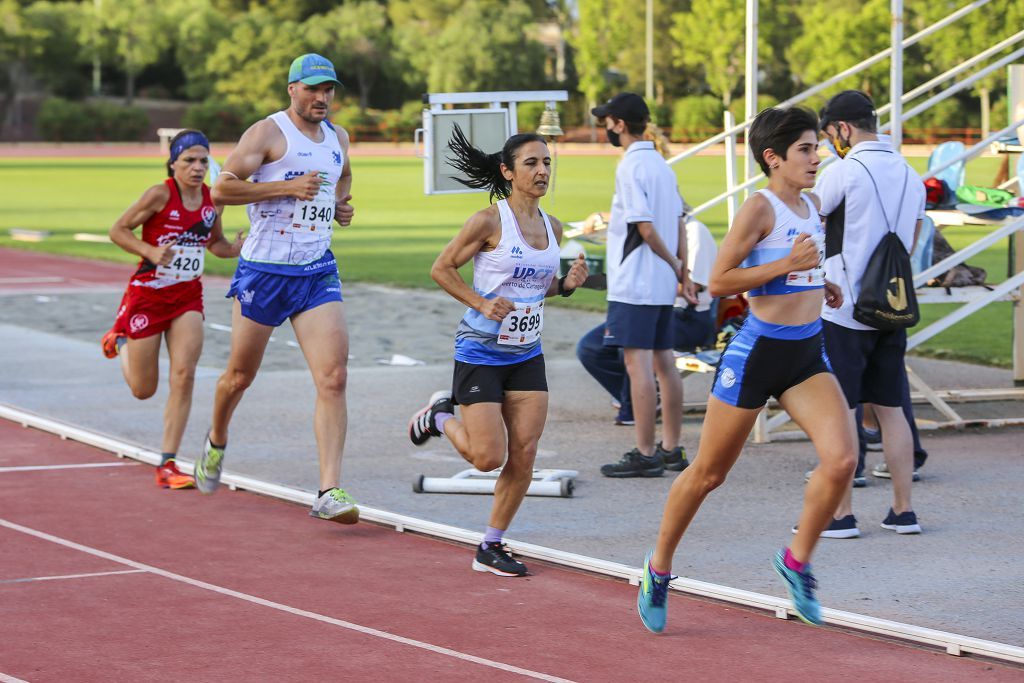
[523, 325]
[186, 265]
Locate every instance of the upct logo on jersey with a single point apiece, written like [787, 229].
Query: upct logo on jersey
[517, 252]
[336, 157]
[138, 322]
[247, 296]
[209, 215]
[728, 378]
[528, 277]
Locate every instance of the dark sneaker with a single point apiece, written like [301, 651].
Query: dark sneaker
[873, 439]
[882, 472]
[840, 528]
[675, 459]
[422, 426]
[495, 558]
[625, 418]
[903, 523]
[635, 464]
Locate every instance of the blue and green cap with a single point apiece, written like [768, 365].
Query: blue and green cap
[312, 69]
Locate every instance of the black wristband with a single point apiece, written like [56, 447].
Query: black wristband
[561, 287]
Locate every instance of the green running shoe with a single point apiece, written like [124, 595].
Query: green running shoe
[208, 467]
[336, 506]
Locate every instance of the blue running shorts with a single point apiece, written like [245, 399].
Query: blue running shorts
[764, 360]
[270, 298]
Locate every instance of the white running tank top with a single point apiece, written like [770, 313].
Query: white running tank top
[779, 243]
[286, 235]
[520, 273]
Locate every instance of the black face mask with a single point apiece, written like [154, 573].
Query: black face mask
[613, 138]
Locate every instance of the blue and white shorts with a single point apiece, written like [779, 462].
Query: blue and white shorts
[764, 360]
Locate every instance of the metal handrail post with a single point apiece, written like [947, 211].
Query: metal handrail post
[896, 76]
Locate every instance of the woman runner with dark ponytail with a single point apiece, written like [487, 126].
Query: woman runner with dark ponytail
[499, 378]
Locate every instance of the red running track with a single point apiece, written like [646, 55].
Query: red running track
[235, 586]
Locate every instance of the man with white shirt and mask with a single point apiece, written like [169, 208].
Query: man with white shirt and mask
[871, 191]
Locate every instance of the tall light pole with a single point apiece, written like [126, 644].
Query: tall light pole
[98, 7]
[649, 72]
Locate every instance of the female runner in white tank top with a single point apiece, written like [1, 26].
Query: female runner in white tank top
[499, 378]
[774, 251]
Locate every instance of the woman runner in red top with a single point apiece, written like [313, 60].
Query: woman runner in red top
[164, 298]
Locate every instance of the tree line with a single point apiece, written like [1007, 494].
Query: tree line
[228, 58]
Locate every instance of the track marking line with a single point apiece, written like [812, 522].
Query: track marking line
[4, 678]
[73, 576]
[38, 468]
[38, 280]
[281, 607]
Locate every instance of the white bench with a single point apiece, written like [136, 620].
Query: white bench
[165, 135]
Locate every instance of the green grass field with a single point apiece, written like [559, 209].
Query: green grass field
[398, 231]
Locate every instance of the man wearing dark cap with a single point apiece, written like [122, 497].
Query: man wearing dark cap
[291, 170]
[870, 192]
[646, 260]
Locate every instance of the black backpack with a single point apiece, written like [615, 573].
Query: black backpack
[887, 298]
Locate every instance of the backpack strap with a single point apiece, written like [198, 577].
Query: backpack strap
[899, 211]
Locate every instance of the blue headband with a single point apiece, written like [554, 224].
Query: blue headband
[190, 139]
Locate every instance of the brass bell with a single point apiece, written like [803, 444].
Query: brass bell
[549, 124]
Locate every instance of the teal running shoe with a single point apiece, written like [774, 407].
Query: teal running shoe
[652, 598]
[801, 587]
[208, 467]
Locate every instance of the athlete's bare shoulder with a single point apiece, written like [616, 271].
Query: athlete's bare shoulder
[156, 197]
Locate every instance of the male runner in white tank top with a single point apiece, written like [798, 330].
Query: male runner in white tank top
[300, 185]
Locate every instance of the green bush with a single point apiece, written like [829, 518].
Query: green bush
[739, 107]
[61, 120]
[352, 118]
[528, 115]
[695, 116]
[398, 124]
[220, 121]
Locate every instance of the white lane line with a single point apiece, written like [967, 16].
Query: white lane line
[39, 280]
[281, 607]
[4, 678]
[73, 576]
[37, 468]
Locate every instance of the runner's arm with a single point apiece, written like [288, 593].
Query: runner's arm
[218, 243]
[753, 221]
[253, 149]
[122, 232]
[343, 211]
[482, 230]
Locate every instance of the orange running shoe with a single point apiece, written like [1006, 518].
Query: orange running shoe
[109, 343]
[168, 476]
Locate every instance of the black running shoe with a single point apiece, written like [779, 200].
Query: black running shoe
[635, 464]
[422, 426]
[675, 459]
[495, 558]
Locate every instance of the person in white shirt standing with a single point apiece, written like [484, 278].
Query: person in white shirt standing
[870, 192]
[296, 161]
[646, 261]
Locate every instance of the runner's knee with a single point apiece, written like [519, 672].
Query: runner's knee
[237, 381]
[837, 463]
[334, 381]
[182, 377]
[487, 459]
[144, 389]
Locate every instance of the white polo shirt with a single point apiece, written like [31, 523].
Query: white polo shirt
[701, 252]
[645, 190]
[846, 191]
